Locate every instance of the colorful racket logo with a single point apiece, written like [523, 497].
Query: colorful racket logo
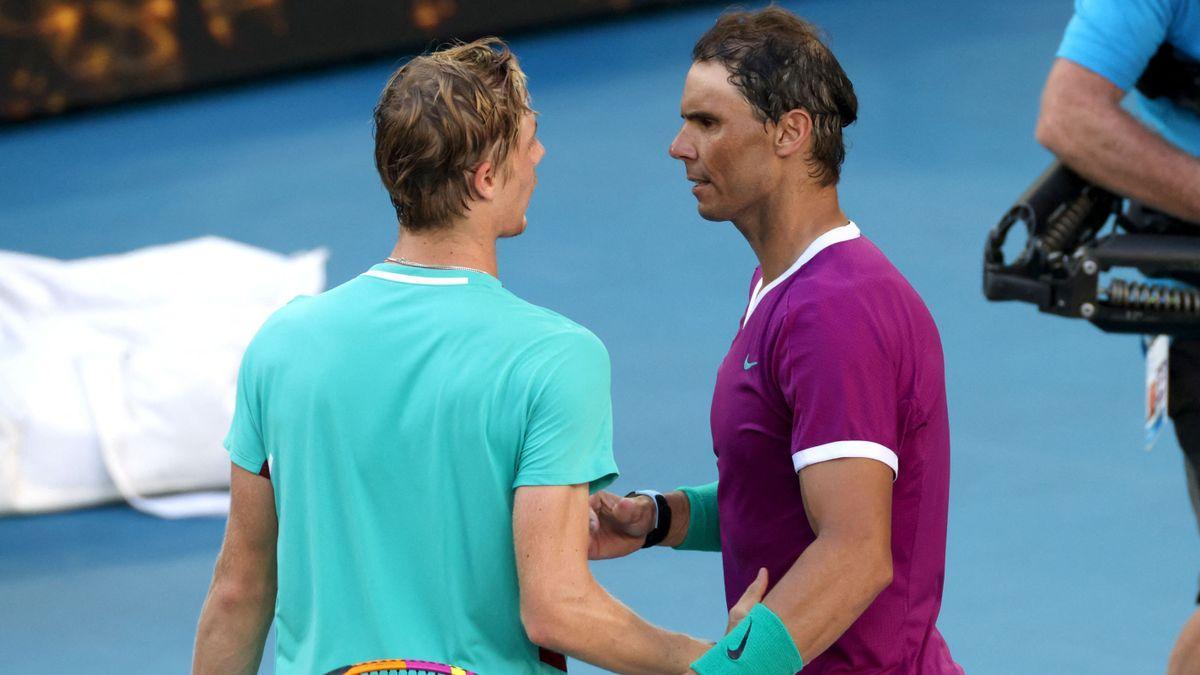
[399, 666]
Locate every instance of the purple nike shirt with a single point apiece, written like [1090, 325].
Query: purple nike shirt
[839, 357]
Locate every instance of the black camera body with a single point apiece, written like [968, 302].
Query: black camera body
[1068, 253]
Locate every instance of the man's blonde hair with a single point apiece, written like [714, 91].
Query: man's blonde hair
[439, 116]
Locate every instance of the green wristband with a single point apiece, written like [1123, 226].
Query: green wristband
[704, 525]
[759, 645]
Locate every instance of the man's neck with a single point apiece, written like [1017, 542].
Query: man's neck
[782, 228]
[453, 246]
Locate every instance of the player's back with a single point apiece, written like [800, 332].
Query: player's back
[394, 410]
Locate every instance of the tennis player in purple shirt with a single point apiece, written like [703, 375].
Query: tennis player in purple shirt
[829, 415]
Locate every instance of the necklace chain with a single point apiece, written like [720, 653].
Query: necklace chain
[413, 263]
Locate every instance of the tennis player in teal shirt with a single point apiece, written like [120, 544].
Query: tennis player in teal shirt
[413, 450]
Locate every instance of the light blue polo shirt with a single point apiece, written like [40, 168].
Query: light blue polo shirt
[398, 413]
[1116, 38]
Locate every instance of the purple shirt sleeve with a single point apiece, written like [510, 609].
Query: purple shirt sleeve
[840, 383]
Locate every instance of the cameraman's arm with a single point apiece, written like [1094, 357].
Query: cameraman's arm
[1083, 123]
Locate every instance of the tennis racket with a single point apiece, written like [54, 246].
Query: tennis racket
[399, 666]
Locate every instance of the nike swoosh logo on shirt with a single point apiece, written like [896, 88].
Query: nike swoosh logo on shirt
[735, 654]
[748, 364]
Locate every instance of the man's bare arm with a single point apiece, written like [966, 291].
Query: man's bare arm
[1083, 123]
[564, 608]
[237, 612]
[849, 505]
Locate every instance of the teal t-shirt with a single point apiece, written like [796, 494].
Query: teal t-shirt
[1117, 38]
[397, 414]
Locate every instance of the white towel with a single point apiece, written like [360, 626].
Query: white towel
[117, 373]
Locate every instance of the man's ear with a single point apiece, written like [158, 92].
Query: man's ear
[482, 180]
[793, 132]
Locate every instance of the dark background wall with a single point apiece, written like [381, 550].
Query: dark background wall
[57, 55]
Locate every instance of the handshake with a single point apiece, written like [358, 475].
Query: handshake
[618, 526]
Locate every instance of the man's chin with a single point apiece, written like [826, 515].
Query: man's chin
[516, 229]
[710, 214]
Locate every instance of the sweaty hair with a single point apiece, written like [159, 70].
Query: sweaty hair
[779, 62]
[439, 116]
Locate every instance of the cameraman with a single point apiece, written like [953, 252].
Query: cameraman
[1146, 149]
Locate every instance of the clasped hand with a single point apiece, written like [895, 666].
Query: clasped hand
[618, 526]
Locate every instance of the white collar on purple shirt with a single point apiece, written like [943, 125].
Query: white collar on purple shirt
[836, 235]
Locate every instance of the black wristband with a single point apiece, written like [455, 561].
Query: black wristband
[660, 531]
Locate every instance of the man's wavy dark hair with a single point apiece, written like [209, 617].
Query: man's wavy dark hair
[780, 62]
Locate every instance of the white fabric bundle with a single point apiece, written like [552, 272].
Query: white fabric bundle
[118, 373]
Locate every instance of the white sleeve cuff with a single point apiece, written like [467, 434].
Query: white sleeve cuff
[840, 449]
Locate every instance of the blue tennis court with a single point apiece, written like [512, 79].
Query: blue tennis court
[1071, 549]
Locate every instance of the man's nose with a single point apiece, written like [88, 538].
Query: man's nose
[681, 148]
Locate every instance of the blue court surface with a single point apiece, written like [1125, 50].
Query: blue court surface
[1071, 550]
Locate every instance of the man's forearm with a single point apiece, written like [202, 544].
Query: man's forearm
[695, 525]
[233, 629]
[1114, 150]
[681, 516]
[828, 587]
[563, 607]
[1084, 125]
[592, 626]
